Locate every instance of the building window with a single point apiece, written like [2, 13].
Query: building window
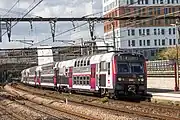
[172, 1]
[153, 1]
[128, 32]
[159, 41]
[169, 31]
[143, 31]
[148, 43]
[131, 2]
[144, 42]
[159, 32]
[132, 32]
[129, 43]
[159, 11]
[146, 1]
[155, 12]
[162, 31]
[155, 42]
[139, 2]
[163, 42]
[170, 41]
[133, 43]
[178, 41]
[169, 10]
[168, 1]
[142, 1]
[148, 31]
[150, 11]
[165, 10]
[157, 1]
[155, 33]
[161, 1]
[174, 31]
[174, 41]
[140, 42]
[140, 32]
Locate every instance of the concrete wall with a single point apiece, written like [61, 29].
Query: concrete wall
[167, 83]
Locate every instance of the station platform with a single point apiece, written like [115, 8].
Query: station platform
[165, 96]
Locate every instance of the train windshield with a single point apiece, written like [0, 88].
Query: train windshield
[130, 67]
[129, 63]
[136, 67]
[123, 68]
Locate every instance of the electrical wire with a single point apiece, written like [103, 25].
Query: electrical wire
[87, 23]
[78, 26]
[11, 8]
[24, 15]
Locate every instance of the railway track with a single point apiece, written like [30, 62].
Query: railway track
[59, 110]
[10, 114]
[113, 109]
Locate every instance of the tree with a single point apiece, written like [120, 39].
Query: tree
[169, 53]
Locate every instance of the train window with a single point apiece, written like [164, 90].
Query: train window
[74, 82]
[82, 63]
[77, 81]
[88, 79]
[88, 62]
[108, 68]
[75, 64]
[87, 82]
[78, 63]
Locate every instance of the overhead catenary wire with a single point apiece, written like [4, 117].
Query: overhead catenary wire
[75, 28]
[24, 15]
[86, 23]
[11, 8]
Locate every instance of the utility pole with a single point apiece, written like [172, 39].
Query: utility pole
[177, 49]
[91, 28]
[177, 26]
[114, 37]
[82, 44]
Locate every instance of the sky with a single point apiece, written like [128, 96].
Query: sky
[48, 8]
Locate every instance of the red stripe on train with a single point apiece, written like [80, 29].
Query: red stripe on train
[114, 70]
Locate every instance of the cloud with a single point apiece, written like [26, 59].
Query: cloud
[48, 8]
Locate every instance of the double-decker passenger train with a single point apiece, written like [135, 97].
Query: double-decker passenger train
[113, 74]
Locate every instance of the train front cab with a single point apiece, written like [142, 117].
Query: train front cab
[130, 75]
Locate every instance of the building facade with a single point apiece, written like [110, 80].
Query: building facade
[148, 35]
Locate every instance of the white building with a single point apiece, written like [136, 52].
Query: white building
[148, 35]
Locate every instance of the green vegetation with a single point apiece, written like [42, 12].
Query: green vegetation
[169, 53]
[104, 100]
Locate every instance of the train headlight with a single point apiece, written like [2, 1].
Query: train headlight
[119, 79]
[142, 79]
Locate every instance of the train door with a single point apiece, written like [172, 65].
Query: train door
[109, 79]
[93, 78]
[56, 71]
[39, 78]
[35, 78]
[70, 77]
